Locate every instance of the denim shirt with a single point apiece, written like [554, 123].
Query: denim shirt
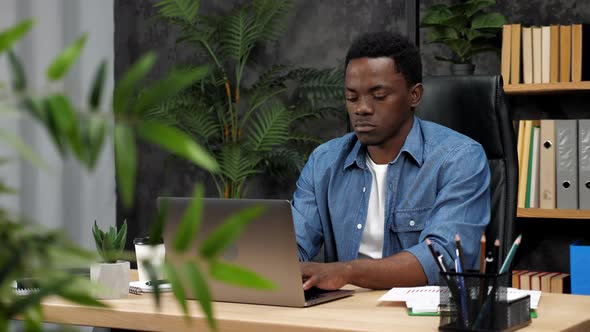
[438, 186]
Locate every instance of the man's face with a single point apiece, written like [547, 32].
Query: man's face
[378, 100]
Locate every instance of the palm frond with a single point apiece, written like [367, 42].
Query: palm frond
[202, 123]
[236, 163]
[315, 84]
[239, 35]
[284, 163]
[184, 9]
[270, 128]
[271, 16]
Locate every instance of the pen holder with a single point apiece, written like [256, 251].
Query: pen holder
[479, 302]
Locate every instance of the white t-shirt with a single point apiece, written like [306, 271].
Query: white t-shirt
[372, 240]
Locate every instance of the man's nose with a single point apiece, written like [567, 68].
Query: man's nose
[364, 106]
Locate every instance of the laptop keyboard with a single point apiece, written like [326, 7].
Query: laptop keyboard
[314, 293]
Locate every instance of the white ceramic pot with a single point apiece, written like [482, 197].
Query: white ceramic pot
[112, 280]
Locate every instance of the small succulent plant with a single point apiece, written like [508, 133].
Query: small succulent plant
[110, 244]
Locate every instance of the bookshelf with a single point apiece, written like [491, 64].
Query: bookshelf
[541, 88]
[552, 213]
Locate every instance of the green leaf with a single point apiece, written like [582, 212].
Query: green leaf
[19, 80]
[177, 142]
[201, 291]
[488, 21]
[94, 131]
[472, 7]
[131, 78]
[98, 236]
[97, 86]
[168, 87]
[183, 9]
[9, 36]
[435, 15]
[157, 227]
[230, 230]
[121, 237]
[22, 149]
[270, 128]
[191, 220]
[62, 112]
[176, 284]
[62, 63]
[125, 162]
[81, 298]
[438, 35]
[239, 276]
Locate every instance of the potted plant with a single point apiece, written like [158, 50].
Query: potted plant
[111, 274]
[466, 29]
[251, 124]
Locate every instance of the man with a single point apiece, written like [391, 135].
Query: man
[374, 196]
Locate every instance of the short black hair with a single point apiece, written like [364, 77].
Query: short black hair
[404, 53]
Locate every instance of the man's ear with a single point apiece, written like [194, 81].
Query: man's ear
[416, 94]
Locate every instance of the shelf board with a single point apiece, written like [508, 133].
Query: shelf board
[553, 213]
[539, 88]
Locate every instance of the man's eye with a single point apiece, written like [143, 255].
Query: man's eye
[380, 97]
[351, 99]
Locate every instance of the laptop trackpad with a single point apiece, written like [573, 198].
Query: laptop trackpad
[316, 295]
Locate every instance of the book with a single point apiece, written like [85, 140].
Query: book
[527, 55]
[534, 168]
[520, 143]
[561, 283]
[537, 47]
[584, 164]
[545, 54]
[536, 280]
[525, 279]
[515, 54]
[565, 52]
[566, 164]
[523, 172]
[547, 165]
[505, 52]
[554, 57]
[427, 298]
[580, 49]
[546, 282]
[516, 277]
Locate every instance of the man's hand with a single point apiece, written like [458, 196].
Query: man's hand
[329, 276]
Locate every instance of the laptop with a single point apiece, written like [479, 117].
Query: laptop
[267, 246]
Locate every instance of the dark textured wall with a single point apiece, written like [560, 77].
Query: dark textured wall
[319, 35]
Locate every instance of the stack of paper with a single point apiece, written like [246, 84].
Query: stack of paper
[427, 298]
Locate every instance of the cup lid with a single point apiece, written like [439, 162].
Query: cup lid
[147, 240]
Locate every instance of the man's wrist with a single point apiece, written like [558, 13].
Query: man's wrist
[349, 272]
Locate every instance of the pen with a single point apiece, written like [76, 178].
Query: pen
[482, 254]
[511, 254]
[459, 253]
[496, 255]
[156, 282]
[436, 258]
[462, 290]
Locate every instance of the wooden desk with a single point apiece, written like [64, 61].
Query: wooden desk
[360, 312]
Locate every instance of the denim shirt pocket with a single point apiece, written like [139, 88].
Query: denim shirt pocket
[408, 224]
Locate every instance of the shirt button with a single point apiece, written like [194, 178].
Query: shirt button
[412, 223]
[364, 189]
[359, 226]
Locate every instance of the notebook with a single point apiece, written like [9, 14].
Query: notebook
[267, 246]
[427, 298]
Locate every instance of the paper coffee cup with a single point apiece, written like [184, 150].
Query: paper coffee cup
[147, 252]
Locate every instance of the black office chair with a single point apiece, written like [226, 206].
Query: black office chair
[475, 106]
